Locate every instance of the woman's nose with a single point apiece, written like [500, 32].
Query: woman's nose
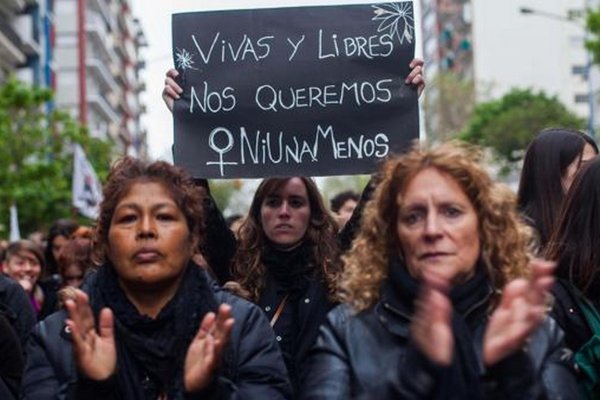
[284, 210]
[146, 228]
[432, 226]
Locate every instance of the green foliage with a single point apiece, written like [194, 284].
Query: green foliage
[332, 185]
[36, 158]
[448, 104]
[222, 190]
[508, 124]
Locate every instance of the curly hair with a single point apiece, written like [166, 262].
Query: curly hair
[247, 266]
[128, 171]
[504, 237]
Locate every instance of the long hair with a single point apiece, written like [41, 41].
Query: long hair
[504, 238]
[541, 192]
[248, 268]
[574, 243]
[128, 171]
[60, 227]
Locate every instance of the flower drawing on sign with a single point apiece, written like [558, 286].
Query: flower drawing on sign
[184, 59]
[395, 19]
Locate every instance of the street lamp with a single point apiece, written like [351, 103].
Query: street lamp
[589, 61]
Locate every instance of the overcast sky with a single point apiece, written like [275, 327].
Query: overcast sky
[155, 17]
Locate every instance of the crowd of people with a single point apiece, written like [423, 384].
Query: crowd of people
[437, 282]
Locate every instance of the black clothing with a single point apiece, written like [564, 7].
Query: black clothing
[151, 352]
[11, 361]
[50, 289]
[369, 355]
[298, 326]
[289, 273]
[569, 317]
[16, 307]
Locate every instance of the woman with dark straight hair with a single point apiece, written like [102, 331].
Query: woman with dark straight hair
[574, 246]
[550, 164]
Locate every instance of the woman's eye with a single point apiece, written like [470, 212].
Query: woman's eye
[453, 212]
[125, 219]
[272, 202]
[296, 203]
[411, 218]
[165, 217]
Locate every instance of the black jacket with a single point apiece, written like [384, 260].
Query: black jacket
[252, 366]
[369, 356]
[16, 307]
[569, 317]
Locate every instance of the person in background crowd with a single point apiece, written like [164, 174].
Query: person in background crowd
[551, 161]
[38, 238]
[16, 307]
[24, 262]
[234, 222]
[11, 363]
[440, 302]
[74, 261]
[58, 236]
[342, 205]
[17, 318]
[574, 246]
[164, 330]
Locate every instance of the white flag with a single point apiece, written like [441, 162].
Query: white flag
[87, 191]
[15, 232]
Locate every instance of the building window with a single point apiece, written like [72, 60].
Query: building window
[579, 70]
[581, 98]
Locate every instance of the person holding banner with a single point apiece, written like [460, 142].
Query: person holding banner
[151, 324]
[441, 300]
[287, 255]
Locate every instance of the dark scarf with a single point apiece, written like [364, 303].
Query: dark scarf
[154, 348]
[291, 269]
[469, 301]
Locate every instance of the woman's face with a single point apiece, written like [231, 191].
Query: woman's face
[25, 268]
[57, 245]
[587, 155]
[149, 242]
[285, 213]
[73, 275]
[438, 227]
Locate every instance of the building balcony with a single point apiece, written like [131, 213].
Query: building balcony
[100, 8]
[100, 106]
[10, 45]
[24, 27]
[97, 33]
[12, 6]
[102, 75]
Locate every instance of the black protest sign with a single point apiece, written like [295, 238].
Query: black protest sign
[293, 91]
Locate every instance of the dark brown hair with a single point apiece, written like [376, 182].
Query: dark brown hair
[248, 269]
[20, 246]
[127, 171]
[574, 243]
[78, 251]
[541, 191]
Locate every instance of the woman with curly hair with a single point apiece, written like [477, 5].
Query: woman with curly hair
[440, 297]
[287, 259]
